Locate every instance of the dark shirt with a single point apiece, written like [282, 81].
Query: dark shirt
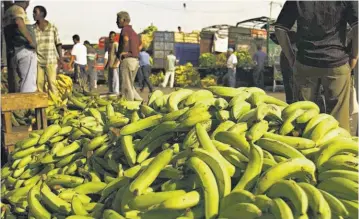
[132, 47]
[321, 30]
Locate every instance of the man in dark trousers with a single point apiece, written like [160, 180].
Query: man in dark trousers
[145, 70]
[259, 59]
[322, 55]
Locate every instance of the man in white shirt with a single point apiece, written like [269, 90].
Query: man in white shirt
[170, 70]
[79, 56]
[230, 78]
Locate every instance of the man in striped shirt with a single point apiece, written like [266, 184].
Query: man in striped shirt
[48, 50]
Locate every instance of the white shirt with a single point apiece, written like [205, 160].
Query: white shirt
[232, 61]
[80, 51]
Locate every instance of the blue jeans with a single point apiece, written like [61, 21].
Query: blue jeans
[230, 78]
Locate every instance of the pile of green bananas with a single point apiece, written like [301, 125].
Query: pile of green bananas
[215, 153]
[186, 75]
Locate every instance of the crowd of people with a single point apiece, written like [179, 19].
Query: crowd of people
[316, 54]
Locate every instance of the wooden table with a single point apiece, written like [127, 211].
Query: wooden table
[21, 101]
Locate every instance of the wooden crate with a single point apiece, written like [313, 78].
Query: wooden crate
[21, 101]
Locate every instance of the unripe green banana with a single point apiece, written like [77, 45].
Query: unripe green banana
[111, 214]
[241, 210]
[239, 98]
[147, 111]
[141, 125]
[312, 123]
[280, 209]
[292, 191]
[35, 206]
[279, 148]
[288, 124]
[180, 202]
[176, 97]
[253, 169]
[283, 170]
[191, 140]
[27, 143]
[198, 95]
[48, 133]
[337, 132]
[146, 152]
[352, 207]
[236, 196]
[90, 188]
[306, 116]
[77, 206]
[347, 174]
[68, 159]
[151, 172]
[257, 131]
[53, 201]
[73, 147]
[239, 128]
[340, 188]
[114, 186]
[95, 143]
[223, 126]
[23, 153]
[295, 142]
[209, 185]
[304, 105]
[224, 91]
[174, 115]
[323, 128]
[155, 95]
[24, 161]
[340, 162]
[336, 206]
[236, 141]
[64, 180]
[128, 149]
[220, 104]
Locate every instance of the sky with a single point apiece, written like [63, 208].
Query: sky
[93, 19]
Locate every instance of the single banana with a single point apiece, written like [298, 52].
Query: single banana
[236, 141]
[241, 210]
[288, 125]
[239, 128]
[90, 188]
[257, 131]
[150, 173]
[180, 202]
[223, 126]
[220, 104]
[239, 98]
[312, 123]
[306, 116]
[323, 128]
[253, 169]
[284, 170]
[280, 209]
[304, 105]
[198, 95]
[209, 186]
[35, 206]
[352, 207]
[155, 95]
[295, 142]
[292, 191]
[144, 202]
[128, 149]
[27, 143]
[340, 188]
[73, 147]
[176, 97]
[224, 91]
[339, 145]
[336, 206]
[77, 206]
[64, 180]
[95, 143]
[238, 196]
[53, 201]
[279, 148]
[318, 205]
[337, 132]
[191, 140]
[174, 115]
[111, 214]
[97, 115]
[141, 125]
[219, 170]
[340, 162]
[347, 174]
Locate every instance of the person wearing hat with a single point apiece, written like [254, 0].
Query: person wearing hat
[230, 78]
[286, 69]
[322, 58]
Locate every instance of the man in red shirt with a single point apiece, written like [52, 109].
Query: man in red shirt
[127, 55]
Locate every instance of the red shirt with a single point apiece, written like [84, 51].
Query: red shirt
[132, 47]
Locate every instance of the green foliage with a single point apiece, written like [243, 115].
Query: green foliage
[207, 60]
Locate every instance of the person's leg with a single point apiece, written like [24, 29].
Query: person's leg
[167, 76]
[140, 78]
[134, 66]
[261, 78]
[76, 73]
[172, 82]
[126, 87]
[225, 79]
[230, 78]
[27, 70]
[337, 94]
[288, 84]
[256, 72]
[83, 78]
[116, 81]
[51, 77]
[41, 78]
[11, 73]
[110, 80]
[305, 82]
[146, 74]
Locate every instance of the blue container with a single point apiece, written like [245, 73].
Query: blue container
[187, 52]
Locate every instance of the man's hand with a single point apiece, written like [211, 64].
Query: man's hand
[87, 68]
[353, 62]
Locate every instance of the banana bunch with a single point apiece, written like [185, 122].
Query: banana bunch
[215, 153]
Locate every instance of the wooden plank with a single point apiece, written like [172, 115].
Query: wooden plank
[38, 119]
[7, 122]
[12, 138]
[19, 101]
[43, 118]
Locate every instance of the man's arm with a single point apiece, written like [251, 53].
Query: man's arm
[126, 41]
[352, 19]
[285, 22]
[58, 46]
[23, 30]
